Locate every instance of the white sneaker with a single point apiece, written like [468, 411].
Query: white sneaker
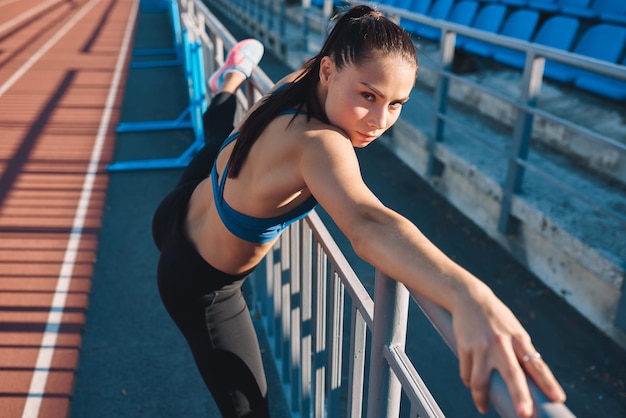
[243, 57]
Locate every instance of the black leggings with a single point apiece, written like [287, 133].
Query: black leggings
[206, 304]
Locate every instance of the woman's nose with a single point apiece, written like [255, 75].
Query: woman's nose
[378, 119]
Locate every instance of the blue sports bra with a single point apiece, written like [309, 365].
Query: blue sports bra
[248, 228]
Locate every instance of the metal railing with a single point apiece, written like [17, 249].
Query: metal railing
[529, 146]
[598, 216]
[301, 297]
[525, 105]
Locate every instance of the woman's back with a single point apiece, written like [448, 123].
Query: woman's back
[269, 185]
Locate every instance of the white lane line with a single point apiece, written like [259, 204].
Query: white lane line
[46, 349]
[26, 15]
[46, 47]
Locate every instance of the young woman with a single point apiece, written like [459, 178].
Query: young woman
[293, 150]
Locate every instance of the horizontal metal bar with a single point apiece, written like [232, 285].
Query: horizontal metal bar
[498, 394]
[412, 383]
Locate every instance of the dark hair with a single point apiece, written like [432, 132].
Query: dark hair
[361, 33]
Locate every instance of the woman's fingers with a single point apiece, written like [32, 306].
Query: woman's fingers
[517, 384]
[489, 338]
[479, 382]
[465, 367]
[477, 366]
[541, 374]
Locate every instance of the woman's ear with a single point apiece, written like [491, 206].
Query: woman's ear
[327, 67]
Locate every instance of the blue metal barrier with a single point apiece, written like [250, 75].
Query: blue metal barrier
[176, 50]
[153, 5]
[190, 117]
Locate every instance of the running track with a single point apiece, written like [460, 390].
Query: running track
[62, 67]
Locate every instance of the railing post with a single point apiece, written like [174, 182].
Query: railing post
[335, 344]
[268, 294]
[306, 9]
[531, 86]
[285, 307]
[319, 332]
[391, 304]
[447, 42]
[358, 330]
[327, 10]
[282, 29]
[306, 306]
[295, 333]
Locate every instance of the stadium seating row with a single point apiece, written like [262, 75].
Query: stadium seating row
[606, 11]
[561, 31]
[320, 3]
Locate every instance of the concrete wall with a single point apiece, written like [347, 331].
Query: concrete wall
[588, 280]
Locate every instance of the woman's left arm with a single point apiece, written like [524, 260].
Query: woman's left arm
[488, 335]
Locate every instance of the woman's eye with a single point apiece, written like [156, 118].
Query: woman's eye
[367, 96]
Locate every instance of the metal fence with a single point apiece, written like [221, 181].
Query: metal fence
[541, 161]
[318, 314]
[525, 104]
[302, 298]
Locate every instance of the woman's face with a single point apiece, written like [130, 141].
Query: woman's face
[365, 101]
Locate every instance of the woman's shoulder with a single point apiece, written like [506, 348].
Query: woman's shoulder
[321, 141]
[324, 132]
[300, 136]
[299, 125]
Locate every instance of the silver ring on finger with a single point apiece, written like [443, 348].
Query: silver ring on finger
[531, 356]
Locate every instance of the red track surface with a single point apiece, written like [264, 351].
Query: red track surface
[61, 70]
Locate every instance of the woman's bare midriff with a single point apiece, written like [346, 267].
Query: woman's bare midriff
[204, 229]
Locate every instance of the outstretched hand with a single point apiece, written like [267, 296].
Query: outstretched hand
[489, 337]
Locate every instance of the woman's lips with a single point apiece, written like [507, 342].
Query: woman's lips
[367, 136]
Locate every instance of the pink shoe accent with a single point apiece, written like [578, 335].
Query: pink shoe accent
[243, 57]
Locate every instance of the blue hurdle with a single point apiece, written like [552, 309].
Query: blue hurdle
[191, 117]
[160, 5]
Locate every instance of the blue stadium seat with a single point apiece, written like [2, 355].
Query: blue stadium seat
[603, 6]
[462, 13]
[440, 10]
[603, 42]
[488, 19]
[602, 85]
[416, 6]
[320, 3]
[615, 16]
[556, 32]
[559, 5]
[520, 25]
[608, 11]
[544, 5]
[580, 8]
[515, 3]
